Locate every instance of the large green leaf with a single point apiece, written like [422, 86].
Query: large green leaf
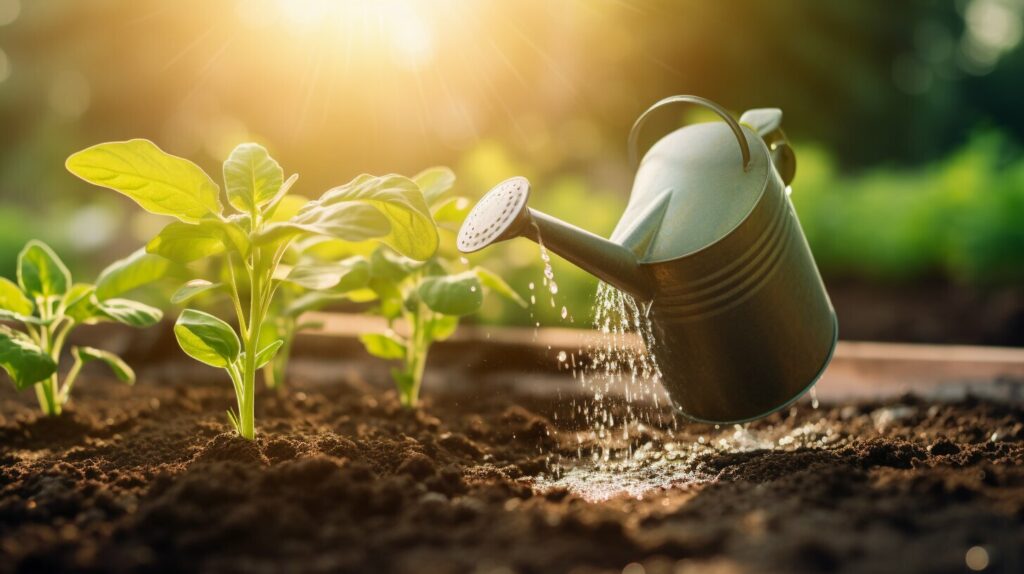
[206, 338]
[434, 182]
[40, 272]
[383, 346]
[186, 242]
[459, 294]
[412, 232]
[251, 177]
[120, 369]
[345, 275]
[194, 287]
[347, 221]
[136, 270]
[128, 312]
[159, 182]
[495, 283]
[23, 360]
[13, 299]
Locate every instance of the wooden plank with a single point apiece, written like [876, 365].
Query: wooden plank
[858, 369]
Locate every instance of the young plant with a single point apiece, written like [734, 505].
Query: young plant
[48, 306]
[427, 298]
[251, 242]
[308, 293]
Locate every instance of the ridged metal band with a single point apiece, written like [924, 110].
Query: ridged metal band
[736, 282]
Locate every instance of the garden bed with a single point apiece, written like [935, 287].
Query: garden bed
[487, 477]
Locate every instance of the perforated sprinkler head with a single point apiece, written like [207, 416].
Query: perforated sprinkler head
[501, 214]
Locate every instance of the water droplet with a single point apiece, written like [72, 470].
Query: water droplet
[532, 286]
[562, 356]
[472, 288]
[565, 312]
[553, 286]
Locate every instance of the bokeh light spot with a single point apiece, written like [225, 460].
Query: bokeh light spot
[976, 558]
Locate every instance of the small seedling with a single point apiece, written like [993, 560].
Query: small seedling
[428, 298]
[332, 282]
[251, 242]
[48, 306]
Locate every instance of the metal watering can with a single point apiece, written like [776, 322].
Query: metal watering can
[710, 245]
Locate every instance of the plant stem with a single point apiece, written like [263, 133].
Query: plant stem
[416, 361]
[48, 391]
[250, 340]
[69, 379]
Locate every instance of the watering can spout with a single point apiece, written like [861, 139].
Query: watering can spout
[503, 214]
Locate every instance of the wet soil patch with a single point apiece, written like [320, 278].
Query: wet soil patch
[341, 479]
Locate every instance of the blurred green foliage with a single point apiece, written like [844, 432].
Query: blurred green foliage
[961, 218]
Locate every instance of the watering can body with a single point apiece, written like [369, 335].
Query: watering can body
[710, 244]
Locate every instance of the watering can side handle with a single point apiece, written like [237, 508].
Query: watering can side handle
[634, 134]
[767, 122]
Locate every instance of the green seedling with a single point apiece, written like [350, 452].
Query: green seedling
[251, 242]
[48, 305]
[333, 281]
[424, 300]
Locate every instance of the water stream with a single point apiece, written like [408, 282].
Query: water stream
[628, 442]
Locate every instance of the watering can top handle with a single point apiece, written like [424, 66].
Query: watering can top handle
[634, 134]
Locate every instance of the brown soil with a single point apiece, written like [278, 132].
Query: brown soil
[341, 479]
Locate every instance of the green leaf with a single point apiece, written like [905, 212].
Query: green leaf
[13, 299]
[440, 327]
[459, 294]
[266, 354]
[120, 369]
[159, 182]
[278, 204]
[348, 221]
[193, 288]
[23, 360]
[6, 315]
[390, 297]
[136, 270]
[312, 301]
[206, 338]
[233, 232]
[128, 312]
[345, 275]
[40, 272]
[388, 265]
[450, 212]
[186, 242]
[383, 346]
[251, 177]
[81, 303]
[434, 182]
[234, 421]
[495, 283]
[398, 198]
